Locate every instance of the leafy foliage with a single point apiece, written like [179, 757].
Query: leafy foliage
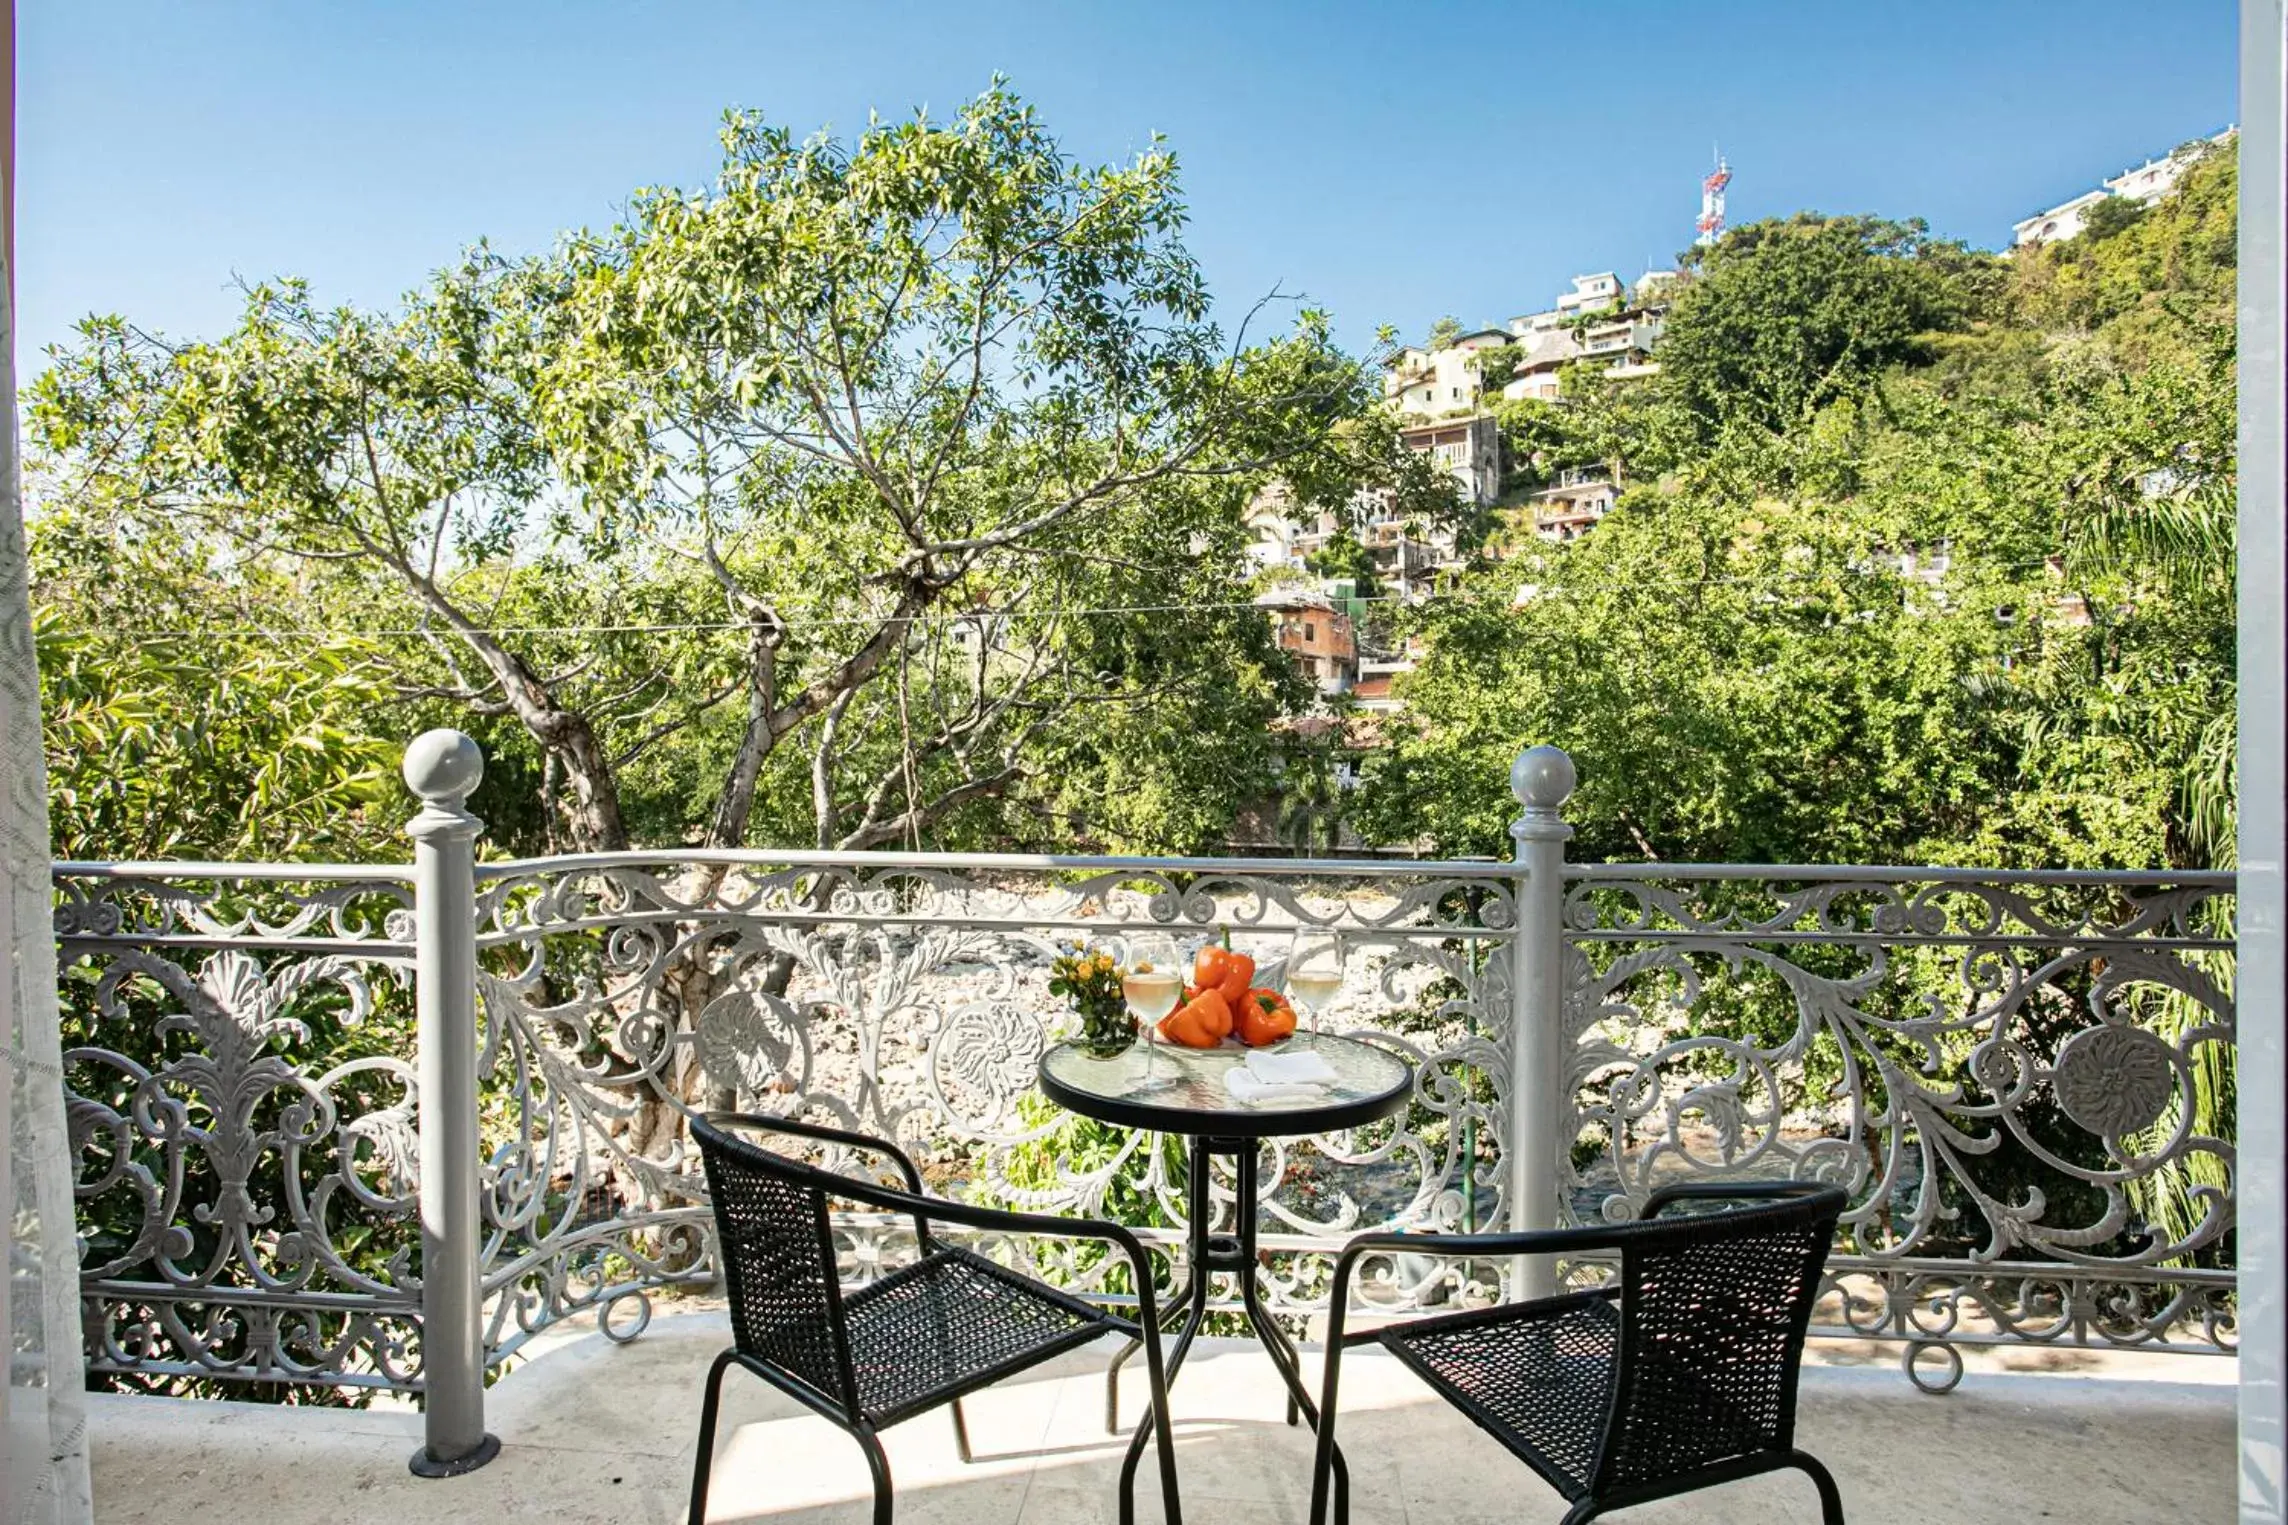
[2136, 274]
[223, 746]
[1930, 560]
[781, 511]
[1783, 317]
[1497, 366]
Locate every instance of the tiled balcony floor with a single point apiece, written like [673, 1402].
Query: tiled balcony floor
[596, 1433]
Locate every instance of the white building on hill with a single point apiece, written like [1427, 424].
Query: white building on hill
[1589, 293]
[1427, 383]
[2147, 183]
[1466, 449]
[1620, 340]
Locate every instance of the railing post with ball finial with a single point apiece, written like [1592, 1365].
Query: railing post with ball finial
[1542, 778]
[443, 768]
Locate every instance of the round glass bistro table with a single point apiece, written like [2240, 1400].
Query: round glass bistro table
[1370, 1083]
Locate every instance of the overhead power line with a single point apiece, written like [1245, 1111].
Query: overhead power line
[971, 616]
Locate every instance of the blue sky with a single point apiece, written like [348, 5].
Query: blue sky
[1393, 162]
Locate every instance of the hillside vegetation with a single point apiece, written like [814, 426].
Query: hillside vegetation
[1927, 558]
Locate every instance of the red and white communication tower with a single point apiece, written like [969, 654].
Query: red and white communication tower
[1711, 220]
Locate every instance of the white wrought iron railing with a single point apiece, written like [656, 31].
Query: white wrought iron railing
[377, 1126]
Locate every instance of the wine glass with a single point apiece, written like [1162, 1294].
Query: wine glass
[1314, 970]
[1154, 984]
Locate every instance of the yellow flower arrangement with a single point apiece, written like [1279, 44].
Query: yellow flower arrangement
[1090, 979]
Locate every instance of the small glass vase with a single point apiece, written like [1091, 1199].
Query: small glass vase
[1107, 1033]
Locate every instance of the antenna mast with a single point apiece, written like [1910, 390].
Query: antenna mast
[1711, 220]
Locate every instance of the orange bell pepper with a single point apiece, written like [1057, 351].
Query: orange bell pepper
[1240, 976]
[1218, 967]
[1264, 1017]
[1200, 1022]
[1210, 967]
[1217, 1016]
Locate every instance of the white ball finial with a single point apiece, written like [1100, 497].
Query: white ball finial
[1542, 778]
[443, 767]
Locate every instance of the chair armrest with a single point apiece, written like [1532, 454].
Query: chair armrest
[925, 1209]
[915, 1202]
[1552, 1241]
[765, 1123]
[1559, 1241]
[1009, 1221]
[1731, 1191]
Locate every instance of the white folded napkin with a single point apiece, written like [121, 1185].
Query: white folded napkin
[1252, 1090]
[1296, 1067]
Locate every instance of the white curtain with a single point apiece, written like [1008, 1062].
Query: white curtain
[44, 1481]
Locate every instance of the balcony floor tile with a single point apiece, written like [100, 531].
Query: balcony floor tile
[596, 1432]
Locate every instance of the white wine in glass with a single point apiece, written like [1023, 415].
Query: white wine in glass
[1154, 984]
[1314, 971]
[1152, 991]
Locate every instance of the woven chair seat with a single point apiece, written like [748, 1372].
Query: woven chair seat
[951, 1323]
[1538, 1376]
[1680, 1374]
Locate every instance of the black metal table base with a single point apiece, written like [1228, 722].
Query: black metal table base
[1208, 1256]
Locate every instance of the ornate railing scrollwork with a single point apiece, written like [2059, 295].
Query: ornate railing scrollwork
[2023, 1079]
[242, 1111]
[908, 996]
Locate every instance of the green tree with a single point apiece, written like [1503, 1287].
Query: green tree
[889, 415]
[2143, 283]
[1342, 558]
[1310, 803]
[1541, 437]
[217, 744]
[2113, 215]
[1497, 366]
[1934, 626]
[1784, 316]
[1736, 679]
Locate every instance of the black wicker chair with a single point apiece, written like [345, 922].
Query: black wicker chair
[915, 1340]
[1679, 1375]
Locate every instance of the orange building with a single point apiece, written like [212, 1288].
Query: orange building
[1317, 634]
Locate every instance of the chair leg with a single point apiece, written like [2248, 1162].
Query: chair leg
[880, 1466]
[705, 1460]
[1164, 1441]
[1272, 1331]
[1328, 1466]
[1163, 1437]
[961, 1432]
[1170, 1315]
[1830, 1497]
[1112, 1384]
[1587, 1509]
